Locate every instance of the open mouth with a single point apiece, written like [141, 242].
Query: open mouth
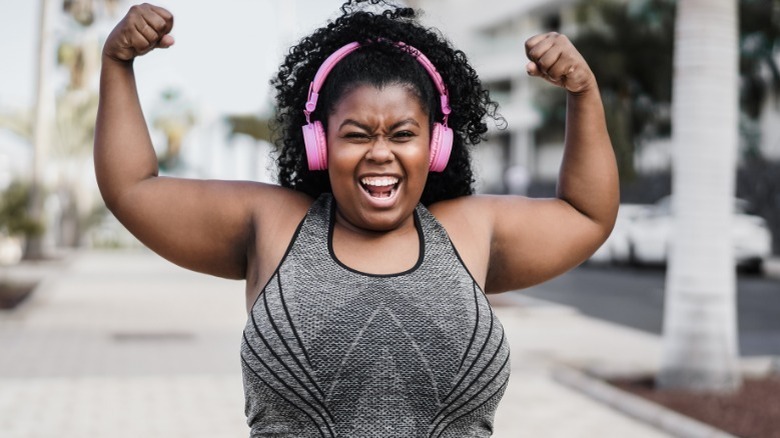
[380, 187]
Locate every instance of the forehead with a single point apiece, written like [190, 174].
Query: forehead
[369, 101]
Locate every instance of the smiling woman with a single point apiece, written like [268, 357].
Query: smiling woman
[378, 157]
[366, 269]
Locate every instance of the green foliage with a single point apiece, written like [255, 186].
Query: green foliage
[759, 73]
[629, 47]
[174, 119]
[18, 122]
[759, 40]
[254, 126]
[14, 217]
[76, 113]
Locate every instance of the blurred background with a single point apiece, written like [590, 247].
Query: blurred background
[208, 102]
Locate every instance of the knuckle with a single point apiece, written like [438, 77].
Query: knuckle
[159, 23]
[534, 53]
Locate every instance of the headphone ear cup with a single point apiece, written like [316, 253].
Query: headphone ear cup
[441, 147]
[316, 146]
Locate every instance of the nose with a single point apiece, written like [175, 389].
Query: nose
[379, 151]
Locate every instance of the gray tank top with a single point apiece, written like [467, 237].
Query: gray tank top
[329, 351]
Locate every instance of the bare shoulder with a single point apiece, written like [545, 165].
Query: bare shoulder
[476, 210]
[266, 204]
[519, 241]
[510, 242]
[473, 220]
[277, 212]
[278, 208]
[454, 212]
[468, 222]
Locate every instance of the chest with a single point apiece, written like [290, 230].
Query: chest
[364, 306]
[325, 342]
[424, 346]
[382, 256]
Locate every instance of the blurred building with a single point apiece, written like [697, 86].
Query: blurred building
[493, 36]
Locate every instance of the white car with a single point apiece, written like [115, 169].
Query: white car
[616, 249]
[648, 234]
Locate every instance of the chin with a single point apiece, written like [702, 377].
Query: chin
[387, 220]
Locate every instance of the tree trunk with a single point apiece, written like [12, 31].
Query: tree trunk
[41, 129]
[700, 331]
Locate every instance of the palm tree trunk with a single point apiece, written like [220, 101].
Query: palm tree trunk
[700, 343]
[42, 128]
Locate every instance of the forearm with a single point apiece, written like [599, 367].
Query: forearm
[588, 178]
[124, 155]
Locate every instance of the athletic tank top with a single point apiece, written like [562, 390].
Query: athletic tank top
[329, 351]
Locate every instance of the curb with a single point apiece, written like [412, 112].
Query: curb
[653, 414]
[45, 275]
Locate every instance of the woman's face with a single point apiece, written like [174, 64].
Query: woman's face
[378, 147]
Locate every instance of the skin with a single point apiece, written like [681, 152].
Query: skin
[241, 230]
[377, 133]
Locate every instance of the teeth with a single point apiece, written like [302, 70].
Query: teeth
[379, 181]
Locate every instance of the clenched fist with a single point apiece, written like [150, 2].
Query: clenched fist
[554, 58]
[144, 28]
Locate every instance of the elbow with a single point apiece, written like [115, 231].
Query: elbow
[110, 199]
[118, 174]
[115, 185]
[118, 195]
[108, 190]
[602, 215]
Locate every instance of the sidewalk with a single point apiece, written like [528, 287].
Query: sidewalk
[125, 344]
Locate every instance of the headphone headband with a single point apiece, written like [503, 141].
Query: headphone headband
[314, 138]
[338, 55]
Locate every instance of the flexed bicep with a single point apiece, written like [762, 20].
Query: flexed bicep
[534, 240]
[201, 225]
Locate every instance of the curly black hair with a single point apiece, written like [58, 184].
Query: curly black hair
[377, 62]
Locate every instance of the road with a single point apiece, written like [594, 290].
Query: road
[634, 297]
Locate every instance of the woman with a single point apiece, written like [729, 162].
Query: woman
[365, 269]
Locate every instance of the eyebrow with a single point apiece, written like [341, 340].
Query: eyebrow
[367, 128]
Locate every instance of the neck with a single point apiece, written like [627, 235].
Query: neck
[343, 223]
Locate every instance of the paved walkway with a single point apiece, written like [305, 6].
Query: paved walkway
[125, 344]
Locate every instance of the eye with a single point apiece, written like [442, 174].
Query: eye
[358, 137]
[403, 136]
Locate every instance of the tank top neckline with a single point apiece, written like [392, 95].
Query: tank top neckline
[331, 205]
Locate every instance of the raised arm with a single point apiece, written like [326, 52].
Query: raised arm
[201, 225]
[533, 240]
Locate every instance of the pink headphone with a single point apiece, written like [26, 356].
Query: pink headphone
[314, 134]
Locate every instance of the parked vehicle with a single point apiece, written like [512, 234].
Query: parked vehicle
[649, 236]
[616, 248]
